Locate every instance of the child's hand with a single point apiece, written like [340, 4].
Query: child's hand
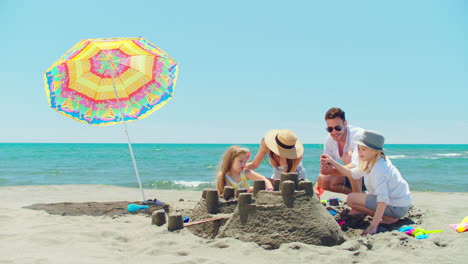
[370, 230]
[326, 159]
[249, 166]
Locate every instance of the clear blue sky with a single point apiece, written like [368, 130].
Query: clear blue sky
[399, 67]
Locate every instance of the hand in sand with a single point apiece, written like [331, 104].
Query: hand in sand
[370, 230]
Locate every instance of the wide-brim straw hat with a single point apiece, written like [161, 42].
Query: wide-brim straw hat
[372, 139]
[284, 142]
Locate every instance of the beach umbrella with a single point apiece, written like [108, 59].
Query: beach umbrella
[111, 80]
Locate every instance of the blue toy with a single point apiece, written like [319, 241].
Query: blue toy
[135, 207]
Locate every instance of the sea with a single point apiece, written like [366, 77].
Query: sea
[441, 168]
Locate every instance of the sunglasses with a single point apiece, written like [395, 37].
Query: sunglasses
[337, 128]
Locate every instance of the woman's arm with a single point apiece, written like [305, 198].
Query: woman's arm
[262, 151]
[295, 164]
[255, 176]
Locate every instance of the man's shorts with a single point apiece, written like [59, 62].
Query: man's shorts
[348, 184]
[390, 211]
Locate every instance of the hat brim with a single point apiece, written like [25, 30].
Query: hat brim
[359, 142]
[270, 140]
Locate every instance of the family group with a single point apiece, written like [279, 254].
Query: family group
[353, 163]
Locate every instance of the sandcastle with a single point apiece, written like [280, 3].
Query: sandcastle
[290, 213]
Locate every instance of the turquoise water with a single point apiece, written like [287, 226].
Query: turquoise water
[192, 166]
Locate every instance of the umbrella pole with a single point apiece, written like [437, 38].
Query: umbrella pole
[128, 139]
[133, 158]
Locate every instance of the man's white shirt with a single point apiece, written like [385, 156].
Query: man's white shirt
[331, 146]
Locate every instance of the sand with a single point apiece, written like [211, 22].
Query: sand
[36, 236]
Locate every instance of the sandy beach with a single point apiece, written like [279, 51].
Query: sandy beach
[36, 236]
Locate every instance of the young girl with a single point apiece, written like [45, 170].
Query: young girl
[232, 171]
[388, 196]
[285, 153]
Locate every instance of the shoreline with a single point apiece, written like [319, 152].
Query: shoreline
[47, 238]
[190, 189]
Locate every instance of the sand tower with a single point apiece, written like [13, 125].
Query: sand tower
[291, 213]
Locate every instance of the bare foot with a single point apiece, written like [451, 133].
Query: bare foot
[389, 221]
[355, 212]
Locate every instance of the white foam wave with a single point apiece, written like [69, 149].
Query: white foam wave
[396, 156]
[449, 154]
[190, 183]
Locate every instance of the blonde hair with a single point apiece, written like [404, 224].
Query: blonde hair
[366, 166]
[226, 164]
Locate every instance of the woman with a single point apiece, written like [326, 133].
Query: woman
[285, 153]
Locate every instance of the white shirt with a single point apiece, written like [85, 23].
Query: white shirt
[385, 182]
[300, 170]
[331, 146]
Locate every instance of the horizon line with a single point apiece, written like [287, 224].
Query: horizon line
[207, 143]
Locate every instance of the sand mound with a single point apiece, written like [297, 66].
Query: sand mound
[269, 221]
[114, 209]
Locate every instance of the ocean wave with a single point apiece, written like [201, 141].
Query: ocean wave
[179, 185]
[449, 154]
[396, 156]
[191, 183]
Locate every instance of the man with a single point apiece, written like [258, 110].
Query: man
[340, 145]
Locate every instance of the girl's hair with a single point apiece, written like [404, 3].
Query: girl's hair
[366, 166]
[226, 164]
[275, 158]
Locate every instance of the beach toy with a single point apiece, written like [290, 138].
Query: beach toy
[462, 226]
[135, 207]
[186, 219]
[405, 228]
[332, 212]
[418, 232]
[342, 222]
[334, 201]
[319, 191]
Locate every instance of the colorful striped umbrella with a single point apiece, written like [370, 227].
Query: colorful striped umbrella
[111, 80]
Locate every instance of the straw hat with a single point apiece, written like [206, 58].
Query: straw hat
[372, 139]
[284, 143]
